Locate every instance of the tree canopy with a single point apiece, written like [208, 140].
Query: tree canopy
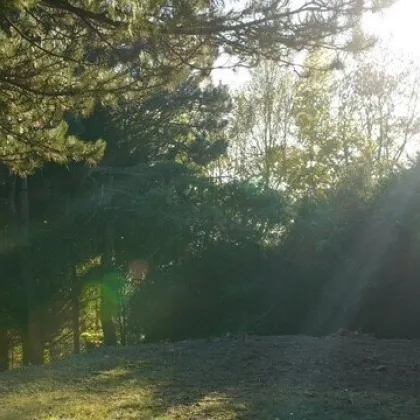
[60, 56]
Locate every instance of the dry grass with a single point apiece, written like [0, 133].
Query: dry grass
[292, 378]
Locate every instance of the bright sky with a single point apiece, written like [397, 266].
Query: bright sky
[399, 26]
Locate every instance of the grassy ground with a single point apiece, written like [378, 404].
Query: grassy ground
[292, 378]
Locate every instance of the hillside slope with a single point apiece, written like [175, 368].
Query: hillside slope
[258, 378]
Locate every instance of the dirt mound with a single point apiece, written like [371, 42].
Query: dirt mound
[336, 362]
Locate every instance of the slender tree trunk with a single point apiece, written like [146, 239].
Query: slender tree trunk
[12, 196]
[75, 289]
[76, 326]
[32, 338]
[97, 309]
[4, 349]
[75, 307]
[123, 320]
[4, 333]
[25, 346]
[108, 317]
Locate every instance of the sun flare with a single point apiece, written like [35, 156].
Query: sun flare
[399, 27]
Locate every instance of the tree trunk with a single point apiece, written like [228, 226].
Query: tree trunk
[76, 325]
[108, 315]
[75, 289]
[123, 321]
[109, 329]
[32, 338]
[4, 349]
[75, 307]
[33, 346]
